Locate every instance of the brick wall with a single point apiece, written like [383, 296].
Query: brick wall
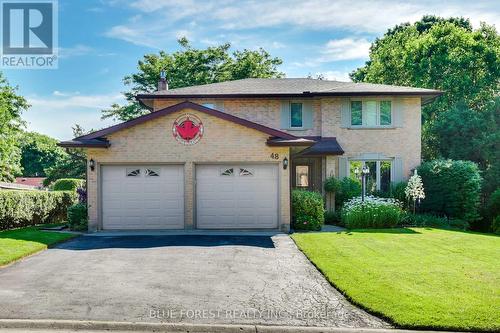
[403, 142]
[153, 142]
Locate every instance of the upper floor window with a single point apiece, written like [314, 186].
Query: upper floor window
[371, 113]
[216, 105]
[296, 120]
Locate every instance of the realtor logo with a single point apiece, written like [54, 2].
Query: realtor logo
[29, 34]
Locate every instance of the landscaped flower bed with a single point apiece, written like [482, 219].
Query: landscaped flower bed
[374, 212]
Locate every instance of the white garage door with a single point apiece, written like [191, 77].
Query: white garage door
[143, 197]
[237, 196]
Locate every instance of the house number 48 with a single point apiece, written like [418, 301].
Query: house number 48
[275, 156]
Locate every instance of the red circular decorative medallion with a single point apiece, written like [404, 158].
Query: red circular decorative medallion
[187, 129]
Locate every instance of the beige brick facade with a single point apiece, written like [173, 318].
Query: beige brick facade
[403, 142]
[227, 142]
[153, 142]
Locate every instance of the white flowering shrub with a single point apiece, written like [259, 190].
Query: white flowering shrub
[415, 190]
[374, 212]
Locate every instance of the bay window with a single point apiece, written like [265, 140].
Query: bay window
[379, 178]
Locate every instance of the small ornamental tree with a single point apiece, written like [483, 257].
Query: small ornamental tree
[415, 190]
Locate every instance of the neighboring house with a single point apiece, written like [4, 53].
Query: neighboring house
[225, 155]
[36, 182]
[24, 183]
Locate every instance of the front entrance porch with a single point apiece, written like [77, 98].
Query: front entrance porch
[307, 173]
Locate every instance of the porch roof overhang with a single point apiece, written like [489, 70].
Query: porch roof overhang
[280, 142]
[82, 143]
[322, 147]
[316, 145]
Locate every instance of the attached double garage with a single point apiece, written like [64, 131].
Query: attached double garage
[187, 167]
[236, 196]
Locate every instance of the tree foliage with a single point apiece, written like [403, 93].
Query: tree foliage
[190, 66]
[38, 152]
[445, 54]
[72, 165]
[11, 107]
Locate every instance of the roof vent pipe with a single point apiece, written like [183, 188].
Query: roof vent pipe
[162, 83]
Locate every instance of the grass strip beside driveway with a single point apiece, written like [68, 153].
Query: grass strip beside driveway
[19, 243]
[415, 278]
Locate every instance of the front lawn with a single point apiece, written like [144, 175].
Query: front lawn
[415, 278]
[19, 243]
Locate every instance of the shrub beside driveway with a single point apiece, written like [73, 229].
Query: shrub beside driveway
[416, 278]
[19, 243]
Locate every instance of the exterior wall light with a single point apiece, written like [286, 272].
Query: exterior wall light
[92, 164]
[285, 163]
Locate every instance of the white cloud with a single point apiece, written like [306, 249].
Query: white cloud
[56, 115]
[335, 76]
[75, 51]
[81, 50]
[69, 100]
[362, 15]
[159, 22]
[65, 94]
[346, 49]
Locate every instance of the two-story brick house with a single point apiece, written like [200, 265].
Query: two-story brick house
[225, 155]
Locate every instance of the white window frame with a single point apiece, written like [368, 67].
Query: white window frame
[378, 176]
[290, 115]
[363, 110]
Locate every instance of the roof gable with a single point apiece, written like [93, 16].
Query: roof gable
[97, 138]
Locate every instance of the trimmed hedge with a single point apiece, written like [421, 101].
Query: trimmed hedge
[307, 210]
[452, 188]
[68, 184]
[26, 208]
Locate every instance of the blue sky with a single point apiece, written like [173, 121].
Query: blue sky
[101, 40]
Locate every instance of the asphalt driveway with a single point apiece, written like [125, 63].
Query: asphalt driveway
[193, 279]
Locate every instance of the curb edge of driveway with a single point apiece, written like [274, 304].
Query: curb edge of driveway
[28, 324]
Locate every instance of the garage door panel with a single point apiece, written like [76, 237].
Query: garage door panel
[143, 201]
[246, 199]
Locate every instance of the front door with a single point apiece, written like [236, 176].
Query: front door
[306, 174]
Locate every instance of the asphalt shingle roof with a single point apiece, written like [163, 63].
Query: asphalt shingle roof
[289, 86]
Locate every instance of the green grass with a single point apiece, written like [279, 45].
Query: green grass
[19, 243]
[415, 278]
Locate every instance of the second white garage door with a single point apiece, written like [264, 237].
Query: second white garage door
[143, 197]
[237, 196]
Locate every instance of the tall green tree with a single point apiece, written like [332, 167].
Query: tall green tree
[39, 152]
[190, 66]
[463, 133]
[72, 165]
[11, 107]
[446, 54]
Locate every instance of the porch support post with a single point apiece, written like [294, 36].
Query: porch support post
[330, 171]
